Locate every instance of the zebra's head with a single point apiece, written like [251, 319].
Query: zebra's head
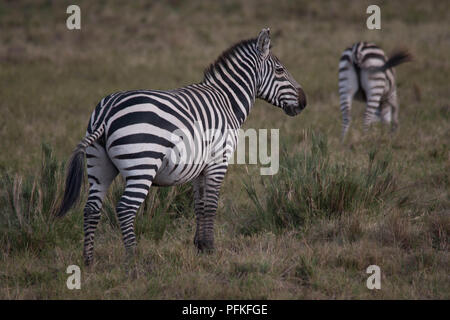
[275, 84]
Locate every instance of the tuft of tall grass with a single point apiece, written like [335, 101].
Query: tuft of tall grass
[27, 204]
[309, 186]
[162, 208]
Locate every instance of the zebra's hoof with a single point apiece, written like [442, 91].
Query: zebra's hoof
[205, 246]
[88, 262]
[130, 254]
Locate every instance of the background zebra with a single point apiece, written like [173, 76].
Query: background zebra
[366, 73]
[133, 133]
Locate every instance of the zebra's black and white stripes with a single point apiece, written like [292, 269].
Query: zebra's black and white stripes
[366, 74]
[137, 134]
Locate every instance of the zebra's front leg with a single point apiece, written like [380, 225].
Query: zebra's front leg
[206, 242]
[209, 187]
[199, 206]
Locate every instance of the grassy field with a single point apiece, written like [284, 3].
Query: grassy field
[308, 232]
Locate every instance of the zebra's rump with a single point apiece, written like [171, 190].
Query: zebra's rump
[365, 59]
[366, 55]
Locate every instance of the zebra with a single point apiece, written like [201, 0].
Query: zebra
[368, 75]
[131, 133]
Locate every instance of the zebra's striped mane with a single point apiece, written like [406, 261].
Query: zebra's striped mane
[226, 55]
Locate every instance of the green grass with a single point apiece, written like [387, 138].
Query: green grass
[308, 232]
[309, 186]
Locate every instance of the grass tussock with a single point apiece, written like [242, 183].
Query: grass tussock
[310, 186]
[27, 206]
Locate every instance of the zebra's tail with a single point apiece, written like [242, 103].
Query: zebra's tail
[397, 58]
[75, 172]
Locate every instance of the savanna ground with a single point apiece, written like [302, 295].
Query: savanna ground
[308, 232]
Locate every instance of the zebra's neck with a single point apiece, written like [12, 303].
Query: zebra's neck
[238, 101]
[233, 75]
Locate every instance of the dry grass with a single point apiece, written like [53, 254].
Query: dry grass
[52, 78]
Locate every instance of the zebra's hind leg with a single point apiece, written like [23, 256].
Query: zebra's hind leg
[206, 189]
[385, 114]
[393, 103]
[373, 84]
[348, 86]
[371, 115]
[101, 172]
[136, 190]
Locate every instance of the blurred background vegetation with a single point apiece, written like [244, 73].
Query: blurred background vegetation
[308, 232]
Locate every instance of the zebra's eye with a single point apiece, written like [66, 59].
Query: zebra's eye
[279, 70]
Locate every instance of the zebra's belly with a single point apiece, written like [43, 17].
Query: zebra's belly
[174, 172]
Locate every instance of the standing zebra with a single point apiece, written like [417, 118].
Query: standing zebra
[365, 71]
[133, 132]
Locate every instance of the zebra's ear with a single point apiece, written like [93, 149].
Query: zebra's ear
[263, 42]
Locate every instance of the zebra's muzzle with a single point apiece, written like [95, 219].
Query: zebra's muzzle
[293, 109]
[301, 98]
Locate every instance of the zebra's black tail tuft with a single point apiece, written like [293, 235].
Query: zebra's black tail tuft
[397, 58]
[75, 172]
[74, 180]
